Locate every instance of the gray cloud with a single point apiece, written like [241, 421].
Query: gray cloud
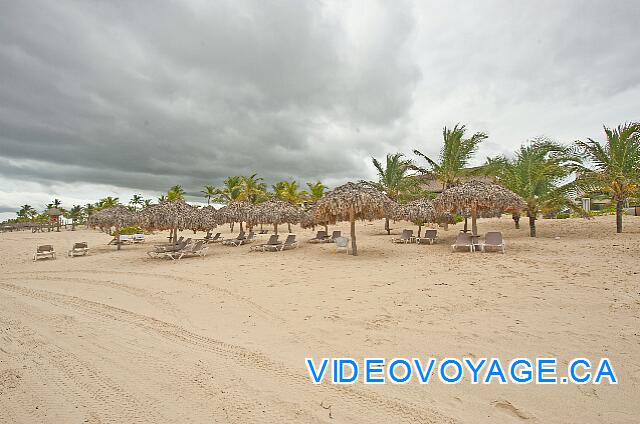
[144, 95]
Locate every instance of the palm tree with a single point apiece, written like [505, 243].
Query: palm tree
[146, 203]
[89, 209]
[162, 198]
[616, 165]
[393, 178]
[27, 212]
[252, 189]
[230, 191]
[107, 202]
[136, 201]
[454, 157]
[538, 173]
[288, 192]
[56, 203]
[209, 193]
[316, 191]
[176, 193]
[74, 214]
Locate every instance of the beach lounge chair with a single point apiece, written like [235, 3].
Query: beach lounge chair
[214, 239]
[463, 240]
[138, 238]
[230, 242]
[198, 248]
[342, 244]
[430, 236]
[321, 237]
[44, 251]
[289, 243]
[78, 249]
[244, 240]
[493, 240]
[273, 241]
[162, 249]
[406, 237]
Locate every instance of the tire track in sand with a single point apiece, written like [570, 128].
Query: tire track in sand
[366, 401]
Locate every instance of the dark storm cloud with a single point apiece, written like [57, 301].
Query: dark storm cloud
[144, 95]
[141, 95]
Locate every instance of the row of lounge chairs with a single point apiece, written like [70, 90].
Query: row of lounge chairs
[493, 240]
[128, 239]
[275, 245]
[47, 251]
[323, 237]
[182, 248]
[430, 237]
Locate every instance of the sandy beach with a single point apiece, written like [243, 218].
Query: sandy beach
[118, 337]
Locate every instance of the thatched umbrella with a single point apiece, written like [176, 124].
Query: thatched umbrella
[207, 218]
[417, 211]
[276, 212]
[353, 201]
[170, 215]
[478, 196]
[116, 216]
[238, 211]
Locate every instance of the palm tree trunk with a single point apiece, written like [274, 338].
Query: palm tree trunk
[386, 226]
[516, 220]
[532, 225]
[619, 205]
[354, 246]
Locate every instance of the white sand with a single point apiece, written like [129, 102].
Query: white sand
[119, 337]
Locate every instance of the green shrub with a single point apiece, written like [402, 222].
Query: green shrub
[563, 215]
[129, 231]
[458, 218]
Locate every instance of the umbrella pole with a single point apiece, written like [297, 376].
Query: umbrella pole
[419, 230]
[326, 229]
[354, 246]
[466, 226]
[474, 224]
[275, 228]
[118, 242]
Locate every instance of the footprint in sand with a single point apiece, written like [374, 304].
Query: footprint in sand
[507, 407]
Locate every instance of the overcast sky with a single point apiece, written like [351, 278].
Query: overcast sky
[113, 98]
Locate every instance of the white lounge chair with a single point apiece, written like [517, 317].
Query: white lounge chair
[463, 240]
[342, 244]
[79, 249]
[493, 240]
[430, 236]
[199, 248]
[138, 238]
[406, 237]
[44, 251]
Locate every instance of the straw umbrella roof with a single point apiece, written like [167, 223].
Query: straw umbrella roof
[421, 210]
[275, 211]
[352, 201]
[479, 195]
[169, 215]
[308, 218]
[239, 211]
[115, 216]
[478, 198]
[365, 201]
[206, 218]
